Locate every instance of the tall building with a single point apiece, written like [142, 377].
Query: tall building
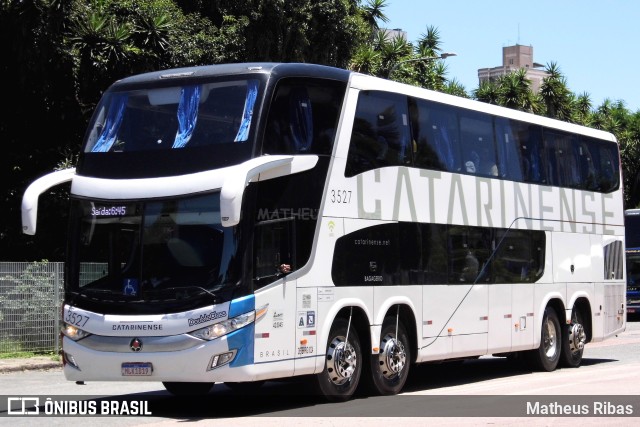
[514, 58]
[390, 34]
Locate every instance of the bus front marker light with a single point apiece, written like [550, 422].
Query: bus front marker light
[221, 359]
[68, 359]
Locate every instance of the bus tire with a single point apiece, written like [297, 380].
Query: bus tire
[547, 356]
[574, 338]
[187, 389]
[343, 364]
[390, 367]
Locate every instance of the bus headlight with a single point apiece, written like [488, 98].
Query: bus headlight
[73, 333]
[225, 327]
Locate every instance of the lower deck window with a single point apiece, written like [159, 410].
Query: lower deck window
[409, 254]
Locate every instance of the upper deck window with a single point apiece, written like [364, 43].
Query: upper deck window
[174, 117]
[303, 116]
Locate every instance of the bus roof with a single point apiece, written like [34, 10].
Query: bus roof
[289, 69]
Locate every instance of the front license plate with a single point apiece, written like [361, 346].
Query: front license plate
[137, 369]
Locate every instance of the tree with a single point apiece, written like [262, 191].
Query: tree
[324, 31]
[43, 118]
[515, 91]
[454, 87]
[488, 91]
[581, 109]
[555, 95]
[373, 12]
[416, 65]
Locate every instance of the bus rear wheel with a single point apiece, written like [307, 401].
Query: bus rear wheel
[573, 340]
[390, 367]
[187, 389]
[547, 356]
[343, 363]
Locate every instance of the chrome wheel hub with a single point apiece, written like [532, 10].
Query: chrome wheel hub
[341, 361]
[392, 357]
[577, 337]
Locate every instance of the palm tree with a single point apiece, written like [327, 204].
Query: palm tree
[581, 109]
[154, 30]
[366, 60]
[454, 87]
[515, 91]
[373, 12]
[555, 95]
[429, 42]
[488, 91]
[394, 54]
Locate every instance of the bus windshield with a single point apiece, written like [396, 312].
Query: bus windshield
[158, 252]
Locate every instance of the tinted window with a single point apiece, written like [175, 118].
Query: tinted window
[367, 257]
[511, 164]
[380, 135]
[448, 138]
[562, 161]
[519, 256]
[303, 117]
[409, 253]
[435, 131]
[477, 144]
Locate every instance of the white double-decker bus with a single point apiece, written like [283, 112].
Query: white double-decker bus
[240, 223]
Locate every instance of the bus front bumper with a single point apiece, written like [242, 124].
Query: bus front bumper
[210, 361]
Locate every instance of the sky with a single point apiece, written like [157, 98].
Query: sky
[593, 42]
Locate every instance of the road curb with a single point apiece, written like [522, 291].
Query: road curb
[29, 364]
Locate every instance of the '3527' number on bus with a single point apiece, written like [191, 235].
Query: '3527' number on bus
[76, 319]
[340, 196]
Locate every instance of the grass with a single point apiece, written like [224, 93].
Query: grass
[28, 354]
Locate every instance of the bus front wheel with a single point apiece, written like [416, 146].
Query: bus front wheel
[547, 356]
[343, 363]
[390, 367]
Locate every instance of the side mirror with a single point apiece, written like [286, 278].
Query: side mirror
[33, 192]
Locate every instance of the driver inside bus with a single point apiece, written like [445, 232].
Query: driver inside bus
[284, 268]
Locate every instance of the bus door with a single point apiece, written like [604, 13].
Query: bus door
[274, 258]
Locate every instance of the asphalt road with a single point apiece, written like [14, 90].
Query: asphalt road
[471, 393]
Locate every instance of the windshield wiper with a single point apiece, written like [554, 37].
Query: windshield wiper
[276, 275]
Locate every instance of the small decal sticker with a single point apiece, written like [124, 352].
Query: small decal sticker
[306, 319]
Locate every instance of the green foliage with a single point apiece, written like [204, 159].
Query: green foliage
[397, 59]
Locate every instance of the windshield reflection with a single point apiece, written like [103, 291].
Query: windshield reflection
[155, 251]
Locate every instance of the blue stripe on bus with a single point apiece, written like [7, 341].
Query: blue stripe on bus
[242, 305]
[242, 340]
